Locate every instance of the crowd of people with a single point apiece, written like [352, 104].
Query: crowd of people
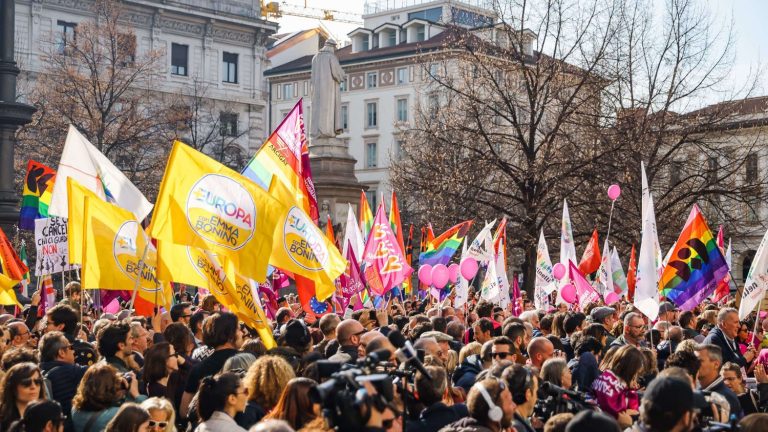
[477, 368]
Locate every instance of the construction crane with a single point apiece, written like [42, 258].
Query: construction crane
[276, 10]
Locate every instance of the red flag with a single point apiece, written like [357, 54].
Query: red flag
[631, 275]
[351, 281]
[500, 235]
[590, 260]
[329, 232]
[724, 286]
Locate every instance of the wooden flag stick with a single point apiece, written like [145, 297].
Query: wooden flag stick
[138, 278]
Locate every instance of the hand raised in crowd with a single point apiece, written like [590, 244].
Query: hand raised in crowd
[750, 354]
[35, 300]
[625, 418]
[760, 375]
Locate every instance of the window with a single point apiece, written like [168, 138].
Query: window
[345, 117]
[66, 35]
[402, 110]
[366, 43]
[751, 167]
[372, 79]
[287, 91]
[370, 155]
[402, 76]
[126, 48]
[433, 14]
[306, 88]
[230, 67]
[433, 104]
[371, 196]
[392, 38]
[343, 85]
[228, 124]
[399, 149]
[420, 33]
[371, 118]
[712, 168]
[433, 70]
[179, 54]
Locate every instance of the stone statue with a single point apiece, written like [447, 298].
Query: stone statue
[327, 75]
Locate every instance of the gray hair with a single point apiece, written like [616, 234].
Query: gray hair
[629, 317]
[714, 352]
[271, 425]
[528, 316]
[723, 314]
[239, 362]
[552, 371]
[50, 344]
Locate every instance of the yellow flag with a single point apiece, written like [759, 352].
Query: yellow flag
[7, 294]
[201, 268]
[76, 194]
[204, 204]
[300, 247]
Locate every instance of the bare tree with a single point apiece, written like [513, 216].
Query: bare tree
[96, 80]
[207, 126]
[560, 100]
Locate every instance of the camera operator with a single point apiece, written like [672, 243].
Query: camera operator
[490, 406]
[667, 405]
[524, 386]
[431, 391]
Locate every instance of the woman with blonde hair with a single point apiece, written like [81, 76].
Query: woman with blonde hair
[265, 381]
[161, 414]
[472, 348]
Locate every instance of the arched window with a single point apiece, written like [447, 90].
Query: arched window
[747, 263]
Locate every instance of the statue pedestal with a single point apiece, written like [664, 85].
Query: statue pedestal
[333, 171]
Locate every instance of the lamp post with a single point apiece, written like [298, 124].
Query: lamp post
[12, 115]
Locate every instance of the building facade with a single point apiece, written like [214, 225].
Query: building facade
[218, 47]
[387, 79]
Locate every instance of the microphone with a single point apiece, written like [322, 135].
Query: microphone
[380, 355]
[406, 353]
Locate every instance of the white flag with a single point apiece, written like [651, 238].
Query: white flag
[490, 289]
[757, 280]
[567, 248]
[644, 204]
[86, 164]
[619, 277]
[647, 284]
[605, 272]
[462, 288]
[544, 280]
[501, 272]
[352, 235]
[481, 248]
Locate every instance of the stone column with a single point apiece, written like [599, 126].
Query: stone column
[12, 115]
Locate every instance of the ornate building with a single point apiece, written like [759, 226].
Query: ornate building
[218, 46]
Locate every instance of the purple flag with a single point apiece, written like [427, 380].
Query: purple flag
[351, 281]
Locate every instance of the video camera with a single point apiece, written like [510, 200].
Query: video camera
[553, 400]
[344, 398]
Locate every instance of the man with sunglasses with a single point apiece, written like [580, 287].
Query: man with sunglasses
[57, 362]
[348, 334]
[503, 349]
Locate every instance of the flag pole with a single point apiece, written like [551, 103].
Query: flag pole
[610, 219]
[138, 278]
[757, 317]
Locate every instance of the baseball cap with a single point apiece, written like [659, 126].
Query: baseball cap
[438, 335]
[666, 307]
[600, 313]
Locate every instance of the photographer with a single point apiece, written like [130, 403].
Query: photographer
[667, 406]
[524, 386]
[491, 408]
[436, 414]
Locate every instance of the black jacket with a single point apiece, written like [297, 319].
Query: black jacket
[464, 375]
[731, 352]
[436, 416]
[64, 378]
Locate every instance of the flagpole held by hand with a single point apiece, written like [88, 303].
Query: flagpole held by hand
[138, 277]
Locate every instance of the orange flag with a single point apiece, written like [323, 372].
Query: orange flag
[631, 275]
[590, 260]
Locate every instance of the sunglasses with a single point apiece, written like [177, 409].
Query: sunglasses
[161, 425]
[387, 424]
[28, 382]
[501, 355]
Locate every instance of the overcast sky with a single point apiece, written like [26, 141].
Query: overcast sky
[750, 18]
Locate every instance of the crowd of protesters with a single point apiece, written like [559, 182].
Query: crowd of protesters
[198, 368]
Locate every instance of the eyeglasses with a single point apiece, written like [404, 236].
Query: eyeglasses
[638, 327]
[157, 424]
[28, 382]
[175, 355]
[501, 355]
[360, 332]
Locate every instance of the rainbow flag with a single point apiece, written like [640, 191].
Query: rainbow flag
[38, 190]
[366, 216]
[441, 249]
[12, 271]
[696, 264]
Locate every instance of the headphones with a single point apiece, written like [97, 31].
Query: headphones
[495, 413]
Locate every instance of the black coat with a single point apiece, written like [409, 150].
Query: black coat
[731, 353]
[437, 416]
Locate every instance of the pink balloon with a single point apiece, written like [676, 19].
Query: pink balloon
[611, 298]
[425, 274]
[468, 268]
[439, 276]
[558, 271]
[453, 272]
[614, 191]
[568, 293]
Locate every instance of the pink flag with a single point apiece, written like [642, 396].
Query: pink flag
[383, 261]
[279, 279]
[585, 293]
[351, 281]
[269, 298]
[517, 301]
[113, 307]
